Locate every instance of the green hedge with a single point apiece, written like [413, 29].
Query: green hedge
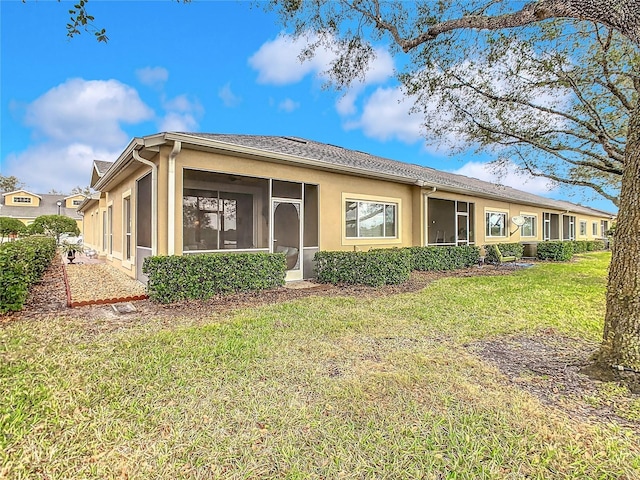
[506, 249]
[22, 264]
[201, 276]
[595, 245]
[375, 267]
[556, 251]
[443, 258]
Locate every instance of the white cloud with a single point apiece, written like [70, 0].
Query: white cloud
[73, 124]
[178, 122]
[51, 166]
[507, 173]
[87, 111]
[229, 99]
[385, 116]
[278, 61]
[288, 105]
[182, 114]
[152, 76]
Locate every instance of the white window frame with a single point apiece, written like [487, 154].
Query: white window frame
[127, 250]
[534, 225]
[583, 228]
[110, 229]
[594, 229]
[22, 200]
[487, 225]
[385, 204]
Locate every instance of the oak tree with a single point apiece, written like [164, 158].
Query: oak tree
[550, 84]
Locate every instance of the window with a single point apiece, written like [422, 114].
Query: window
[126, 215]
[371, 219]
[21, 199]
[76, 202]
[604, 226]
[529, 229]
[495, 224]
[228, 212]
[110, 228]
[594, 229]
[104, 231]
[583, 228]
[568, 227]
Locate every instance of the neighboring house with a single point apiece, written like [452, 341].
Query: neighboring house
[185, 193]
[27, 206]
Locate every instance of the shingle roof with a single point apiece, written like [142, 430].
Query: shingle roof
[334, 155]
[102, 166]
[48, 206]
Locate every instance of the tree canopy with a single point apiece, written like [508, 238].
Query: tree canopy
[54, 226]
[10, 183]
[550, 84]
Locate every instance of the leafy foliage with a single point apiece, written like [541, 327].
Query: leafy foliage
[548, 85]
[374, 268]
[54, 226]
[22, 264]
[10, 183]
[10, 226]
[555, 251]
[176, 278]
[443, 258]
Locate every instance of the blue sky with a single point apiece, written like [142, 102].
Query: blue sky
[218, 67]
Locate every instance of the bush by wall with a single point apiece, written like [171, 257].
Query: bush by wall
[506, 249]
[595, 245]
[175, 278]
[22, 264]
[555, 251]
[374, 268]
[443, 258]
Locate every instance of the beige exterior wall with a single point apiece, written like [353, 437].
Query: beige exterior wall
[112, 246]
[513, 233]
[334, 189]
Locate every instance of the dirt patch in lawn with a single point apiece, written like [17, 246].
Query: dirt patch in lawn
[549, 366]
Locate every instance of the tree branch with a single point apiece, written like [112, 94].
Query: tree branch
[624, 17]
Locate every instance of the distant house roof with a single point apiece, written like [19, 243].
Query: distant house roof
[21, 191]
[48, 206]
[332, 157]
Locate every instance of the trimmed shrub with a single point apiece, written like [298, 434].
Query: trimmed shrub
[506, 249]
[595, 245]
[374, 268]
[443, 258]
[555, 251]
[22, 264]
[579, 246]
[201, 276]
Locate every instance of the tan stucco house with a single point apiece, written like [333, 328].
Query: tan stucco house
[186, 193]
[27, 206]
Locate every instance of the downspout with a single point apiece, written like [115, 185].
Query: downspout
[154, 200]
[171, 201]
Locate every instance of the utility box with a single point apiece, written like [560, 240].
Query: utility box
[530, 249]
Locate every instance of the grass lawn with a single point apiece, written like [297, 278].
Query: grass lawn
[336, 387]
